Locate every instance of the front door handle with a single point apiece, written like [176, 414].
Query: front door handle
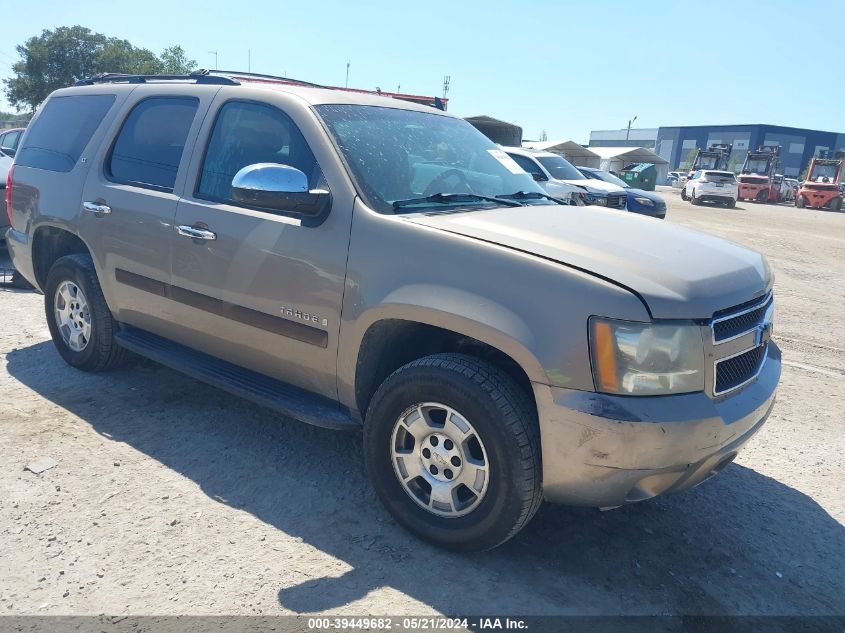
[97, 208]
[196, 233]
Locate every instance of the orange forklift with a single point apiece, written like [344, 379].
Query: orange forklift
[821, 188]
[757, 178]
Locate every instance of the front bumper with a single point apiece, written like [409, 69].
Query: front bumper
[605, 451]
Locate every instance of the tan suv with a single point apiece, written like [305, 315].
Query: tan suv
[356, 261]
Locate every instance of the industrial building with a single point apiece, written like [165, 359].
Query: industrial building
[677, 145]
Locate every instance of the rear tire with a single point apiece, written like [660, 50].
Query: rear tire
[731, 204]
[79, 319]
[800, 202]
[693, 199]
[418, 402]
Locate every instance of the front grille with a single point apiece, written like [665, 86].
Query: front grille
[741, 321]
[736, 371]
[616, 201]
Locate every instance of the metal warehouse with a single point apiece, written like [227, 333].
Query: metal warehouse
[677, 144]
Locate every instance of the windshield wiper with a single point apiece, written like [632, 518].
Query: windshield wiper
[532, 195]
[453, 198]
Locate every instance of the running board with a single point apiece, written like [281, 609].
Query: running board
[274, 394]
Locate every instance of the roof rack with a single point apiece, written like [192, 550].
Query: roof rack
[198, 76]
[201, 76]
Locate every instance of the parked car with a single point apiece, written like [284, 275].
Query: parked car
[709, 185]
[359, 262]
[556, 174]
[9, 140]
[676, 178]
[639, 201]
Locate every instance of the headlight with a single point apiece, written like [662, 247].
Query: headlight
[646, 359]
[595, 199]
[646, 202]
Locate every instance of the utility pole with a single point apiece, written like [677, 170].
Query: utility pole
[630, 121]
[347, 74]
[446, 81]
[215, 58]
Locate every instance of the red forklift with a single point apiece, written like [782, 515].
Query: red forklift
[716, 156]
[821, 189]
[757, 178]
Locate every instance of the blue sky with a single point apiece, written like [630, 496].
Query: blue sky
[563, 67]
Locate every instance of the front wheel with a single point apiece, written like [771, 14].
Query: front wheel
[693, 199]
[78, 317]
[684, 195]
[836, 204]
[800, 202]
[451, 445]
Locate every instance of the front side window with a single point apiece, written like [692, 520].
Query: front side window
[560, 168]
[247, 133]
[396, 155]
[528, 165]
[150, 144]
[61, 131]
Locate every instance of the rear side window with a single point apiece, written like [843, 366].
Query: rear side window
[527, 164]
[149, 147]
[62, 130]
[10, 141]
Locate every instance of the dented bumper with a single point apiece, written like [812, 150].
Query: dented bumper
[605, 451]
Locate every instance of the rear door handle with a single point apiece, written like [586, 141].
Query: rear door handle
[97, 208]
[196, 233]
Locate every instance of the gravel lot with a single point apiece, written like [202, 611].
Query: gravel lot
[172, 498]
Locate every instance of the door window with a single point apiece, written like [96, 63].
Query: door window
[247, 133]
[149, 148]
[528, 165]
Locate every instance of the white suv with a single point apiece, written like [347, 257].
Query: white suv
[558, 177]
[709, 185]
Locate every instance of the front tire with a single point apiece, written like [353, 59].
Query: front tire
[684, 195]
[800, 202]
[452, 447]
[79, 319]
[836, 204]
[693, 199]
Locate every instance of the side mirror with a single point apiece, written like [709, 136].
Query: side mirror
[278, 187]
[538, 177]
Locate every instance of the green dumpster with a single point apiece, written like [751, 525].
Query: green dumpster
[640, 176]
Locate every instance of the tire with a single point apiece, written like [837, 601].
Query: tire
[836, 204]
[18, 281]
[503, 422]
[800, 202]
[98, 350]
[684, 193]
[693, 199]
[731, 204]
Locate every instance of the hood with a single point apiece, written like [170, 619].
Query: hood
[599, 186]
[642, 193]
[679, 273]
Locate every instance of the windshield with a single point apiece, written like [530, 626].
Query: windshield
[397, 155]
[608, 177]
[756, 166]
[823, 173]
[559, 168]
[706, 162]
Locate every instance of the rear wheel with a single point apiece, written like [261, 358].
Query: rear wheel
[731, 204]
[800, 202]
[78, 317]
[451, 445]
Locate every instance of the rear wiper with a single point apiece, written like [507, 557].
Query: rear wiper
[532, 195]
[453, 198]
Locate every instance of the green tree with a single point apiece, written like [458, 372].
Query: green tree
[60, 57]
[174, 61]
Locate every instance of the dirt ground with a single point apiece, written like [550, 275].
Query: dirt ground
[172, 498]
